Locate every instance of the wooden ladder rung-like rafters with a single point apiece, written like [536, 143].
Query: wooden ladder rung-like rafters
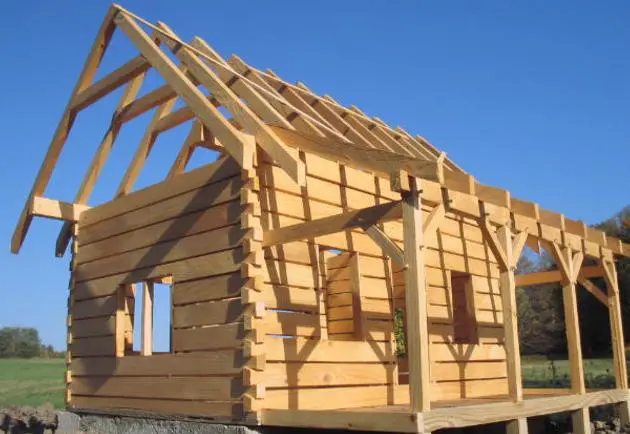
[268, 112]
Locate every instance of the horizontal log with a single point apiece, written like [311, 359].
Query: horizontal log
[182, 226]
[219, 241]
[215, 172]
[211, 388]
[162, 407]
[280, 375]
[314, 350]
[224, 362]
[209, 338]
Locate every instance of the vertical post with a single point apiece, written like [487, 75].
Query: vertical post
[565, 261]
[510, 322]
[616, 329]
[416, 299]
[146, 345]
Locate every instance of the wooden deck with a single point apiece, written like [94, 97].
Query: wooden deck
[444, 414]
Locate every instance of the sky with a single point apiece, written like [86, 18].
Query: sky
[530, 96]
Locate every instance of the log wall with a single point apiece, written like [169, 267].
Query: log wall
[295, 275]
[189, 229]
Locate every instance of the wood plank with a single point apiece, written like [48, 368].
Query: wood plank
[180, 227]
[228, 362]
[211, 265]
[217, 199]
[209, 338]
[208, 289]
[93, 327]
[335, 397]
[383, 420]
[455, 390]
[218, 240]
[211, 388]
[208, 313]
[95, 346]
[466, 352]
[281, 375]
[312, 350]
[456, 371]
[162, 407]
[470, 415]
[223, 168]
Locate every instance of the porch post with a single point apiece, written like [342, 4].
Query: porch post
[416, 298]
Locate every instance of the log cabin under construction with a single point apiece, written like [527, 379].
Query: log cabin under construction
[292, 260]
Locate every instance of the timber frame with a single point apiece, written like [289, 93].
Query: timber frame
[305, 190]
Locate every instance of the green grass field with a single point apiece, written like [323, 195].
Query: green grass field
[537, 372]
[37, 381]
[32, 382]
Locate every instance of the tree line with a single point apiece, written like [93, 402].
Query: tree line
[541, 312]
[24, 342]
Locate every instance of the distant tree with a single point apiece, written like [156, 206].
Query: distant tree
[19, 342]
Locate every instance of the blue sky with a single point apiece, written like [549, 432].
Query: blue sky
[531, 96]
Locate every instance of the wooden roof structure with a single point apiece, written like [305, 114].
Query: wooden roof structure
[265, 112]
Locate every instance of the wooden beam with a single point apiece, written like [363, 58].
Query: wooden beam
[336, 223]
[555, 276]
[495, 244]
[92, 62]
[518, 244]
[433, 220]
[594, 290]
[265, 137]
[129, 71]
[390, 248]
[98, 161]
[195, 136]
[146, 341]
[378, 161]
[143, 150]
[56, 209]
[241, 150]
[416, 299]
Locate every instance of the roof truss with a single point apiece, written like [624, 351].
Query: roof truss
[266, 111]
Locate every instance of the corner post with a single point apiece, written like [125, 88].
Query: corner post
[416, 298]
[617, 338]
